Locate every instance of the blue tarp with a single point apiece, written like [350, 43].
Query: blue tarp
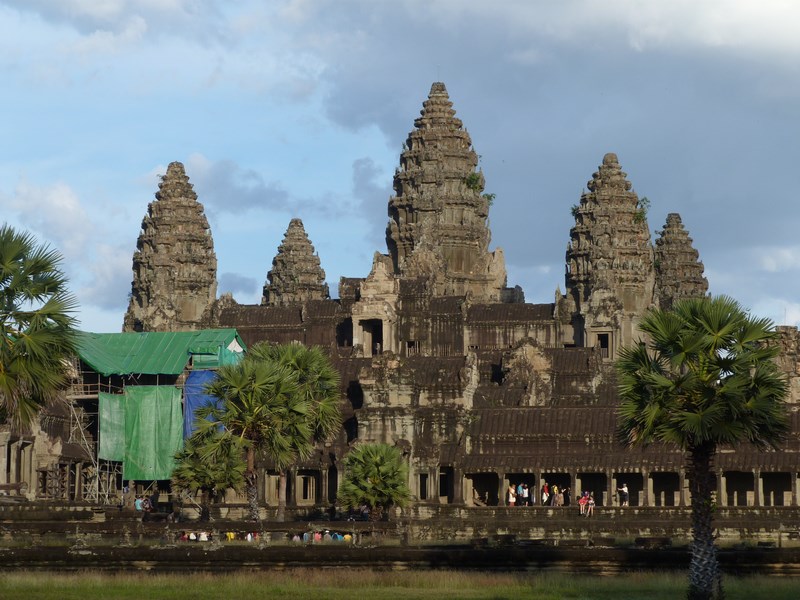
[194, 397]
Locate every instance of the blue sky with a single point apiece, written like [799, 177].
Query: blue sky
[299, 108]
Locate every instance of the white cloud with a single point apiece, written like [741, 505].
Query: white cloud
[55, 212]
[777, 259]
[110, 278]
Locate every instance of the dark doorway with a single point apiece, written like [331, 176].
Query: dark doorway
[484, 489]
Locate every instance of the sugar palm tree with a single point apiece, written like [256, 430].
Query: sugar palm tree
[376, 475]
[210, 463]
[256, 395]
[36, 327]
[704, 378]
[317, 390]
[280, 400]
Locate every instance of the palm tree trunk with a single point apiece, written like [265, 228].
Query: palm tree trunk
[205, 508]
[282, 477]
[704, 572]
[252, 485]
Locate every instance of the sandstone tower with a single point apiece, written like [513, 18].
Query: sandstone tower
[438, 219]
[679, 272]
[610, 275]
[174, 266]
[296, 275]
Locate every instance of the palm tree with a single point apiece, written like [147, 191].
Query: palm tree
[317, 390]
[280, 401]
[37, 323]
[376, 476]
[256, 395]
[209, 463]
[704, 378]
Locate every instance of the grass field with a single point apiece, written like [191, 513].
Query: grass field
[374, 585]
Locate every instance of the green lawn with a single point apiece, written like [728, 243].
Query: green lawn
[374, 585]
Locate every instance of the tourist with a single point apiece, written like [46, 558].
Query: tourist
[590, 506]
[567, 499]
[138, 504]
[582, 502]
[545, 494]
[520, 498]
[526, 495]
[553, 495]
[512, 494]
[559, 500]
[623, 495]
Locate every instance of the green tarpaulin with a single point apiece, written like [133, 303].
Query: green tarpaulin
[112, 426]
[143, 428]
[159, 353]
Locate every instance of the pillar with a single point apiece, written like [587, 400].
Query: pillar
[503, 486]
[4, 466]
[722, 489]
[611, 488]
[458, 486]
[682, 487]
[322, 497]
[758, 488]
[647, 488]
[291, 476]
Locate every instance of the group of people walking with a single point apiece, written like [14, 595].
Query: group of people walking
[522, 495]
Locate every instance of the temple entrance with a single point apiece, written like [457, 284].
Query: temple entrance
[596, 484]
[481, 489]
[344, 333]
[333, 484]
[635, 483]
[446, 485]
[666, 489]
[529, 479]
[372, 335]
[777, 489]
[738, 489]
[562, 481]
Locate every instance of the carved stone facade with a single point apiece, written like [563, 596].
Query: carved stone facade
[679, 272]
[438, 219]
[610, 270]
[478, 388]
[174, 266]
[296, 275]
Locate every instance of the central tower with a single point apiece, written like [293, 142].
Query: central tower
[438, 218]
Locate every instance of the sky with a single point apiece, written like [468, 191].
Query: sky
[299, 108]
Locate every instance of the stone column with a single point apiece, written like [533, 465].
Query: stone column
[458, 486]
[722, 489]
[758, 488]
[323, 480]
[647, 488]
[794, 488]
[291, 476]
[682, 487]
[502, 487]
[611, 488]
[4, 466]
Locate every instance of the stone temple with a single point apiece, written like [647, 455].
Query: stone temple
[442, 358]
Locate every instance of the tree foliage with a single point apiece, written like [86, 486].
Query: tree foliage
[280, 401]
[705, 377]
[210, 463]
[37, 327]
[376, 475]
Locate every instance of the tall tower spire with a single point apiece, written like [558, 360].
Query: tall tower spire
[610, 273]
[679, 272]
[296, 275]
[438, 217]
[174, 266]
